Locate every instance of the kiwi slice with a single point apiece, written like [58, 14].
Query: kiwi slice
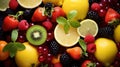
[36, 35]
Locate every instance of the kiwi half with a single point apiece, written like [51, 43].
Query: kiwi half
[36, 35]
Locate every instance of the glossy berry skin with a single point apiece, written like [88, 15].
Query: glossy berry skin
[58, 11]
[13, 4]
[87, 63]
[23, 25]
[91, 48]
[48, 25]
[89, 38]
[95, 7]
[50, 36]
[9, 23]
[58, 64]
[38, 15]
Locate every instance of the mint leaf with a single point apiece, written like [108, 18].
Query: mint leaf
[66, 28]
[83, 45]
[14, 35]
[13, 51]
[75, 24]
[19, 46]
[71, 14]
[8, 47]
[61, 20]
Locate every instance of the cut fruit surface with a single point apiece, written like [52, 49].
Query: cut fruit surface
[88, 26]
[29, 3]
[66, 40]
[5, 6]
[36, 35]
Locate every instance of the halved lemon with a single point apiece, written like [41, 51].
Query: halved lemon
[88, 26]
[66, 40]
[29, 3]
[4, 4]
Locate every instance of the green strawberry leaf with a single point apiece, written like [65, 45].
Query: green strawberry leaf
[71, 14]
[19, 46]
[66, 28]
[14, 35]
[61, 20]
[83, 45]
[75, 24]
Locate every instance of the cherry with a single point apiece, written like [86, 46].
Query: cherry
[50, 36]
[31, 24]
[21, 38]
[41, 58]
[102, 12]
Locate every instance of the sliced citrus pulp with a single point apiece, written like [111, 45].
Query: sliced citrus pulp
[4, 4]
[29, 3]
[88, 26]
[66, 40]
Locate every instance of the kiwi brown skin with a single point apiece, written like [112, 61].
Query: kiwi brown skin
[36, 35]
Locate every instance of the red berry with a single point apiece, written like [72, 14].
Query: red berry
[91, 48]
[58, 64]
[23, 25]
[102, 12]
[95, 7]
[21, 38]
[13, 4]
[48, 25]
[50, 36]
[41, 58]
[89, 38]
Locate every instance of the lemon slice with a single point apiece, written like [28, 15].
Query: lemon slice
[66, 40]
[88, 26]
[29, 3]
[4, 4]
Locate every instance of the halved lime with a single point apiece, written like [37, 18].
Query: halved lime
[4, 4]
[88, 26]
[66, 40]
[29, 3]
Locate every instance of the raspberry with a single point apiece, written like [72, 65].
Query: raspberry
[13, 4]
[48, 25]
[23, 25]
[91, 48]
[95, 7]
[89, 38]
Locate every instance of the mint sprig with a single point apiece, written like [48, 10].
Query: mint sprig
[83, 46]
[69, 21]
[13, 47]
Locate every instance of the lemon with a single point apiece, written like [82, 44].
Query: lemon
[66, 40]
[117, 33]
[29, 3]
[88, 26]
[106, 50]
[81, 6]
[27, 57]
[4, 4]
[55, 2]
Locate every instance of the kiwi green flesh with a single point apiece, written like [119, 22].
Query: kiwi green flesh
[36, 35]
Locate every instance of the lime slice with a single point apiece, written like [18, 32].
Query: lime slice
[66, 40]
[29, 3]
[88, 26]
[4, 4]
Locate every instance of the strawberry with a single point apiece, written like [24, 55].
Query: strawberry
[88, 63]
[111, 15]
[13, 4]
[11, 22]
[75, 52]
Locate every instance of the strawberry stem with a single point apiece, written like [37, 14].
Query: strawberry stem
[19, 13]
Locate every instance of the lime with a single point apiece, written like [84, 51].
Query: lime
[29, 3]
[117, 33]
[4, 4]
[66, 40]
[88, 26]
[81, 6]
[55, 2]
[106, 51]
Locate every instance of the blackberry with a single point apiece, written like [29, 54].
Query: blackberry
[106, 32]
[94, 16]
[54, 47]
[75, 65]
[65, 60]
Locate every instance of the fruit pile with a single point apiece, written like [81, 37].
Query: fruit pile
[60, 33]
